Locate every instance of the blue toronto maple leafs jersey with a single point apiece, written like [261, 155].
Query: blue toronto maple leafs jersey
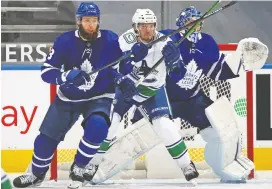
[71, 52]
[201, 58]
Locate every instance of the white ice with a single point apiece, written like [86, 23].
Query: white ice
[170, 184]
[264, 183]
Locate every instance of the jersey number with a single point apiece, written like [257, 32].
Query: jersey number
[52, 51]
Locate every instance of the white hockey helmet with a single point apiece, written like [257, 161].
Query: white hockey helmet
[144, 16]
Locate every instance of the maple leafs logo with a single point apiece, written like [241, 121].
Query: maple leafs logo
[191, 76]
[88, 68]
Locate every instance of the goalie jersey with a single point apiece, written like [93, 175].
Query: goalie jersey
[138, 69]
[200, 59]
[71, 52]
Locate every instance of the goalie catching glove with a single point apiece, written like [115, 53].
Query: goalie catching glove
[251, 54]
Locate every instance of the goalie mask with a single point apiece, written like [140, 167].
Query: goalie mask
[144, 23]
[186, 16]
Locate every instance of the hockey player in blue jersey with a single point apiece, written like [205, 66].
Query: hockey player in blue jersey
[74, 55]
[203, 60]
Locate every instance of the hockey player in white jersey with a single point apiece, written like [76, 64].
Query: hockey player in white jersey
[151, 94]
[215, 120]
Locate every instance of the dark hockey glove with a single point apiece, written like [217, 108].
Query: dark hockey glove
[171, 56]
[139, 51]
[126, 86]
[74, 77]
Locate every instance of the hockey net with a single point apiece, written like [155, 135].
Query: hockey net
[236, 90]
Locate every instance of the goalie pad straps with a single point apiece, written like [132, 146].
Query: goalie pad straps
[223, 149]
[135, 142]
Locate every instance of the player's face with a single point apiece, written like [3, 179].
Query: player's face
[89, 23]
[146, 31]
[88, 27]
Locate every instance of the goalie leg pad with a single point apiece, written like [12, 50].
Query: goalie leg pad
[223, 149]
[220, 156]
[135, 142]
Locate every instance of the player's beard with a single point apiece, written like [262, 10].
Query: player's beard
[86, 35]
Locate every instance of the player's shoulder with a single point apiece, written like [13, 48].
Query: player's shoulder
[174, 37]
[127, 40]
[128, 37]
[207, 38]
[164, 41]
[108, 35]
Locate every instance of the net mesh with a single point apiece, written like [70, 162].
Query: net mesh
[214, 90]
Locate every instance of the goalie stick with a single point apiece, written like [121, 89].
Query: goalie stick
[163, 38]
[196, 22]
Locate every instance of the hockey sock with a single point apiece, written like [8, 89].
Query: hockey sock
[167, 130]
[95, 131]
[5, 181]
[116, 120]
[44, 148]
[179, 153]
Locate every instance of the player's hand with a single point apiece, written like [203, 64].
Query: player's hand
[126, 86]
[75, 77]
[171, 56]
[139, 51]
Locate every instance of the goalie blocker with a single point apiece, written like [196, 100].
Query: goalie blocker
[223, 148]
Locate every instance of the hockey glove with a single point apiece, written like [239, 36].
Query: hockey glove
[171, 56]
[139, 51]
[74, 77]
[126, 86]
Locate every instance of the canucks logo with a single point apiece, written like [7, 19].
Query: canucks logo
[191, 76]
[87, 67]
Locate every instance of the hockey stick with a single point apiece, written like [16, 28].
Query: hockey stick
[196, 22]
[159, 39]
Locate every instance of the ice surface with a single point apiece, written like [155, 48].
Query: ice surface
[259, 183]
[164, 184]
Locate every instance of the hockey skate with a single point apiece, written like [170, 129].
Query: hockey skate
[76, 175]
[90, 171]
[28, 180]
[190, 173]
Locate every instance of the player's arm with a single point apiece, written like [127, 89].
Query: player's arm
[172, 57]
[219, 69]
[51, 70]
[123, 82]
